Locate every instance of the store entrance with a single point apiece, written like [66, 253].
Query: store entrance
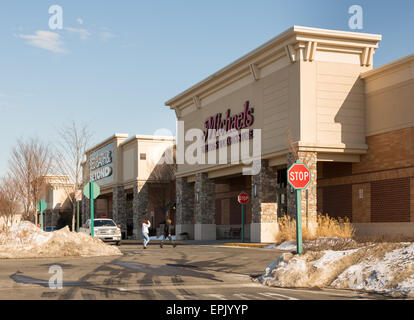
[228, 217]
[281, 191]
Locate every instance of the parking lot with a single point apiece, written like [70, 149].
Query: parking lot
[206, 272]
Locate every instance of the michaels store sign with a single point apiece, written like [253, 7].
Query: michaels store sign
[101, 165]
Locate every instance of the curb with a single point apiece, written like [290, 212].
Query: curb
[247, 245]
[151, 241]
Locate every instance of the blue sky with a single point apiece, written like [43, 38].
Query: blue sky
[115, 63]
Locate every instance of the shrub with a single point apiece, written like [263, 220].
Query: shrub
[326, 227]
[331, 227]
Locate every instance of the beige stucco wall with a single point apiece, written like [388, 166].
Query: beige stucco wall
[340, 104]
[312, 91]
[129, 161]
[390, 96]
[154, 149]
[128, 168]
[57, 192]
[273, 100]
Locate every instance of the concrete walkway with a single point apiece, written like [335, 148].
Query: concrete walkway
[223, 242]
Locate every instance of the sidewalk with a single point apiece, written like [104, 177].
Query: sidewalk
[224, 242]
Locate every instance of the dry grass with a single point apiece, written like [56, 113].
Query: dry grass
[331, 227]
[287, 229]
[326, 227]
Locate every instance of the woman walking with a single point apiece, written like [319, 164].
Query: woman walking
[167, 233]
[145, 226]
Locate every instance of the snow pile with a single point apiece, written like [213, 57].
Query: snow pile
[287, 245]
[324, 243]
[393, 274]
[25, 240]
[314, 269]
[386, 268]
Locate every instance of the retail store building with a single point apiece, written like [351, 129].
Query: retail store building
[57, 191]
[314, 94]
[135, 184]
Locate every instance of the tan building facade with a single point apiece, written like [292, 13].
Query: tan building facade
[312, 95]
[135, 184]
[57, 191]
[379, 188]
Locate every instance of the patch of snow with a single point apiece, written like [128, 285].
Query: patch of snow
[287, 245]
[25, 240]
[377, 275]
[330, 257]
[272, 266]
[370, 270]
[324, 242]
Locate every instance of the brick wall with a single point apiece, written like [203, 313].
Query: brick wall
[390, 200]
[394, 149]
[384, 177]
[337, 201]
[412, 199]
[361, 203]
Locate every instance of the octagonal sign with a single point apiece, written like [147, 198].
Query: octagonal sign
[299, 176]
[243, 198]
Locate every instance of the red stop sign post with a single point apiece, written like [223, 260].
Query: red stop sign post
[243, 198]
[299, 177]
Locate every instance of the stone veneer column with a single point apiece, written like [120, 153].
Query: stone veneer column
[118, 208]
[139, 207]
[205, 227]
[86, 211]
[185, 207]
[55, 217]
[310, 160]
[264, 226]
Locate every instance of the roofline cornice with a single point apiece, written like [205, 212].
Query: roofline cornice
[294, 40]
[116, 136]
[388, 66]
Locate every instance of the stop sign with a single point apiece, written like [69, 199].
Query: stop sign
[243, 198]
[299, 176]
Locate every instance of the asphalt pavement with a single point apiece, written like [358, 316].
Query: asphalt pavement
[191, 271]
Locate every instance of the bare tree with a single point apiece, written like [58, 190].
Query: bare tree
[162, 174]
[29, 164]
[74, 141]
[291, 145]
[164, 169]
[9, 200]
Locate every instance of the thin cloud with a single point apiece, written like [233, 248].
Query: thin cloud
[83, 33]
[46, 40]
[128, 45]
[6, 106]
[106, 35]
[79, 20]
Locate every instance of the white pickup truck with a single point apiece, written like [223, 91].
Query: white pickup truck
[104, 229]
